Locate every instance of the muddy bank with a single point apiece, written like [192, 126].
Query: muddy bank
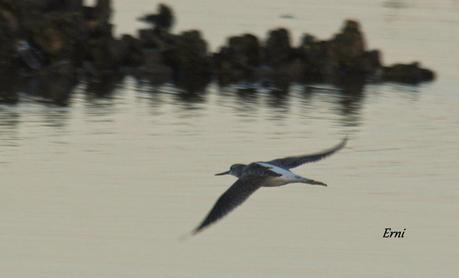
[65, 40]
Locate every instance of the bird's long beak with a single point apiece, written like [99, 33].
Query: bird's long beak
[223, 173]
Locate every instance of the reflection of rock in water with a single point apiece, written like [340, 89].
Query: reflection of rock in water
[346, 95]
[9, 122]
[279, 103]
[191, 98]
[54, 85]
[9, 88]
[187, 100]
[351, 99]
[57, 118]
[103, 87]
[278, 95]
[247, 96]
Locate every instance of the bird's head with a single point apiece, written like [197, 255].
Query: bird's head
[235, 170]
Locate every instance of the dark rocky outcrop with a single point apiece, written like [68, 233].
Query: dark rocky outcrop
[344, 54]
[189, 60]
[277, 49]
[37, 37]
[407, 73]
[238, 60]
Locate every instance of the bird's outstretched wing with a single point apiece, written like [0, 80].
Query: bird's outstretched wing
[295, 161]
[233, 197]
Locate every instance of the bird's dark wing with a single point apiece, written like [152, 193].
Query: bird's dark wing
[295, 161]
[233, 197]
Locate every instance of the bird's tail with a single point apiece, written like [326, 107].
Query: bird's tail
[310, 181]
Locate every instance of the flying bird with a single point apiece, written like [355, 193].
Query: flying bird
[164, 19]
[261, 174]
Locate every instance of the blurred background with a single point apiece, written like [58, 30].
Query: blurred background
[103, 170]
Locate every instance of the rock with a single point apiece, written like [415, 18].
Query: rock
[9, 91]
[189, 60]
[407, 73]
[97, 19]
[315, 56]
[154, 68]
[29, 55]
[40, 34]
[345, 54]
[103, 11]
[102, 56]
[51, 26]
[130, 51]
[102, 53]
[155, 38]
[148, 38]
[350, 42]
[347, 48]
[8, 28]
[106, 54]
[63, 5]
[57, 36]
[238, 60]
[246, 49]
[369, 62]
[8, 18]
[294, 70]
[38, 37]
[277, 49]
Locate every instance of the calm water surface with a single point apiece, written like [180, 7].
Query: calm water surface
[106, 186]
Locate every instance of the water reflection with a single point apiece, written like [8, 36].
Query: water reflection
[10, 119]
[56, 118]
[246, 99]
[9, 88]
[189, 100]
[103, 87]
[351, 100]
[50, 87]
[345, 97]
[278, 99]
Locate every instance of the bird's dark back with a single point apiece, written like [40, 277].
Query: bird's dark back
[255, 169]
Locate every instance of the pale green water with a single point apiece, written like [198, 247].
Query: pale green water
[106, 186]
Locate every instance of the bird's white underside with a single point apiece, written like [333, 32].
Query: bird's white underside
[287, 176]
